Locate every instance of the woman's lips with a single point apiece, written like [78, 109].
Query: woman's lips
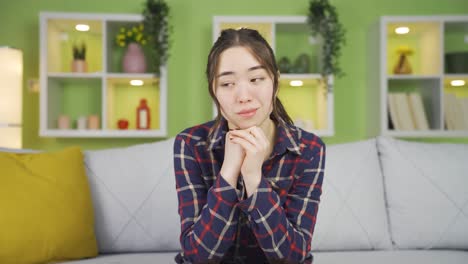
[247, 113]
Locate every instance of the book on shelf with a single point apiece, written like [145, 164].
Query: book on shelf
[407, 111]
[448, 115]
[465, 111]
[455, 112]
[417, 110]
[403, 111]
[462, 114]
[392, 107]
[458, 111]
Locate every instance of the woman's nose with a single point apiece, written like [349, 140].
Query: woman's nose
[243, 93]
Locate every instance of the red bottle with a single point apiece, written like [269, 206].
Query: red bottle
[143, 115]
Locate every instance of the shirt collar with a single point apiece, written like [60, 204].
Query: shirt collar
[288, 138]
[217, 137]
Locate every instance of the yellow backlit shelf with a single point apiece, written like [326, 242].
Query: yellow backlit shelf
[416, 94]
[102, 90]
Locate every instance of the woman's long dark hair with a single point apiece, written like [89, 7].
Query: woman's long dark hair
[258, 46]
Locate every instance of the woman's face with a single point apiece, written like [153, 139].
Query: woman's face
[244, 89]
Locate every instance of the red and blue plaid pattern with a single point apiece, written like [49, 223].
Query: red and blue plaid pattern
[275, 223]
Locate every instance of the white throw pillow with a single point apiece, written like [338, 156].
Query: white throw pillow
[427, 193]
[352, 213]
[134, 198]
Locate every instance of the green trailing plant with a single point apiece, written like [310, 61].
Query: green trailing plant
[323, 21]
[79, 51]
[156, 26]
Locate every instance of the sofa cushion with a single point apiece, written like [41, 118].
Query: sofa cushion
[134, 197]
[130, 258]
[46, 211]
[352, 213]
[348, 257]
[426, 187]
[393, 257]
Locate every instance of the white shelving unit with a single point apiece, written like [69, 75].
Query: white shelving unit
[103, 90]
[430, 38]
[311, 105]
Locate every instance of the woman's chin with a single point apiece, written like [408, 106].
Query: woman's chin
[241, 125]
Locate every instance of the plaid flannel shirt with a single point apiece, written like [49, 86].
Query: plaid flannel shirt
[275, 223]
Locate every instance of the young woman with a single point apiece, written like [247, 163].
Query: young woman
[249, 182]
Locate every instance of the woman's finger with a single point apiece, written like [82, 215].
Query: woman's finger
[246, 135]
[245, 144]
[258, 133]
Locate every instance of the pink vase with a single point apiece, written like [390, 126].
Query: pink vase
[134, 59]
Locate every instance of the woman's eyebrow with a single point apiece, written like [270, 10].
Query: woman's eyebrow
[224, 73]
[249, 69]
[256, 68]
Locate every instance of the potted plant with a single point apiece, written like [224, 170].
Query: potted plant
[133, 38]
[79, 58]
[156, 21]
[323, 22]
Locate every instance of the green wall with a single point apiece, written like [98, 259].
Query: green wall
[189, 102]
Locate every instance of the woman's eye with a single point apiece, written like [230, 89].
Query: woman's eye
[256, 80]
[226, 84]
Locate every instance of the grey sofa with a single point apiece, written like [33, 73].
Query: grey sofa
[383, 201]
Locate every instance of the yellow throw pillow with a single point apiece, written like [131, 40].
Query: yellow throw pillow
[46, 211]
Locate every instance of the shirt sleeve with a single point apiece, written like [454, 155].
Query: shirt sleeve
[207, 215]
[285, 232]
